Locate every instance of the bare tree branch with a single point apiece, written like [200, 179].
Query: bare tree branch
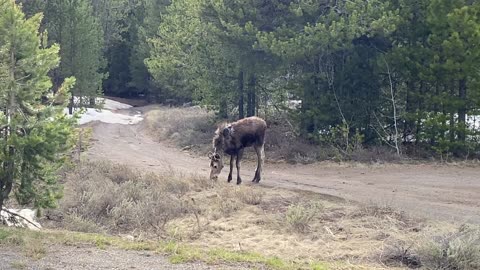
[392, 94]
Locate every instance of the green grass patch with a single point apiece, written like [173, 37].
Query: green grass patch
[18, 265]
[4, 234]
[32, 243]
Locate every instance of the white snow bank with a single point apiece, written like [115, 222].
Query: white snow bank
[23, 218]
[108, 104]
[113, 105]
[109, 117]
[106, 115]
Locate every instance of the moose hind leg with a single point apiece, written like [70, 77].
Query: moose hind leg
[260, 158]
[232, 158]
[239, 158]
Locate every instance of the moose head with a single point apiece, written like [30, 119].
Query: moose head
[216, 165]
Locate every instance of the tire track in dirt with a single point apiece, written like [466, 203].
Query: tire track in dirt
[443, 192]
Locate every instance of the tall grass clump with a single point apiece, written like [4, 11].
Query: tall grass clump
[300, 216]
[459, 250]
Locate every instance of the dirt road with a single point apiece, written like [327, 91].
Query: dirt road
[442, 192]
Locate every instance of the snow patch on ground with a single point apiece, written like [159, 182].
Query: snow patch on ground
[113, 105]
[21, 218]
[108, 114]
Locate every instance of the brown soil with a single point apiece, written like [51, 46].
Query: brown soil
[446, 192]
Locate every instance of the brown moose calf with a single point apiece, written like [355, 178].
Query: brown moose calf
[231, 139]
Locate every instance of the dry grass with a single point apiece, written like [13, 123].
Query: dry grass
[447, 248]
[177, 252]
[105, 197]
[225, 203]
[249, 195]
[32, 245]
[399, 253]
[297, 226]
[189, 128]
[19, 265]
[293, 225]
[300, 216]
[459, 250]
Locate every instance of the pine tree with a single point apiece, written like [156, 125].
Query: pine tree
[328, 50]
[71, 24]
[35, 134]
[148, 17]
[174, 54]
[31, 7]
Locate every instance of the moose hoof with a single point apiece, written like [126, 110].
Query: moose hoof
[229, 179]
[239, 181]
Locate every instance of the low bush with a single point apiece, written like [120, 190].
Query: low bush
[458, 250]
[226, 203]
[399, 253]
[249, 195]
[299, 216]
[106, 197]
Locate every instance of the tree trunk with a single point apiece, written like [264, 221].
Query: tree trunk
[462, 111]
[251, 95]
[452, 115]
[223, 110]
[407, 123]
[70, 106]
[92, 101]
[8, 170]
[433, 139]
[241, 113]
[421, 108]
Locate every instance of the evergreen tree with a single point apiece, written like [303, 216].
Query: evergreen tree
[327, 47]
[31, 7]
[174, 50]
[35, 134]
[148, 17]
[71, 24]
[115, 18]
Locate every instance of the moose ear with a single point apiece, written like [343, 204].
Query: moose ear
[226, 132]
[210, 155]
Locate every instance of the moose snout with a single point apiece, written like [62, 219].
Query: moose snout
[213, 175]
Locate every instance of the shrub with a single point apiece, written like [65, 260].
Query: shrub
[459, 250]
[73, 222]
[103, 196]
[248, 195]
[299, 216]
[226, 202]
[398, 253]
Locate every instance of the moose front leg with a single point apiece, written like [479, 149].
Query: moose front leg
[232, 158]
[239, 158]
[260, 158]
